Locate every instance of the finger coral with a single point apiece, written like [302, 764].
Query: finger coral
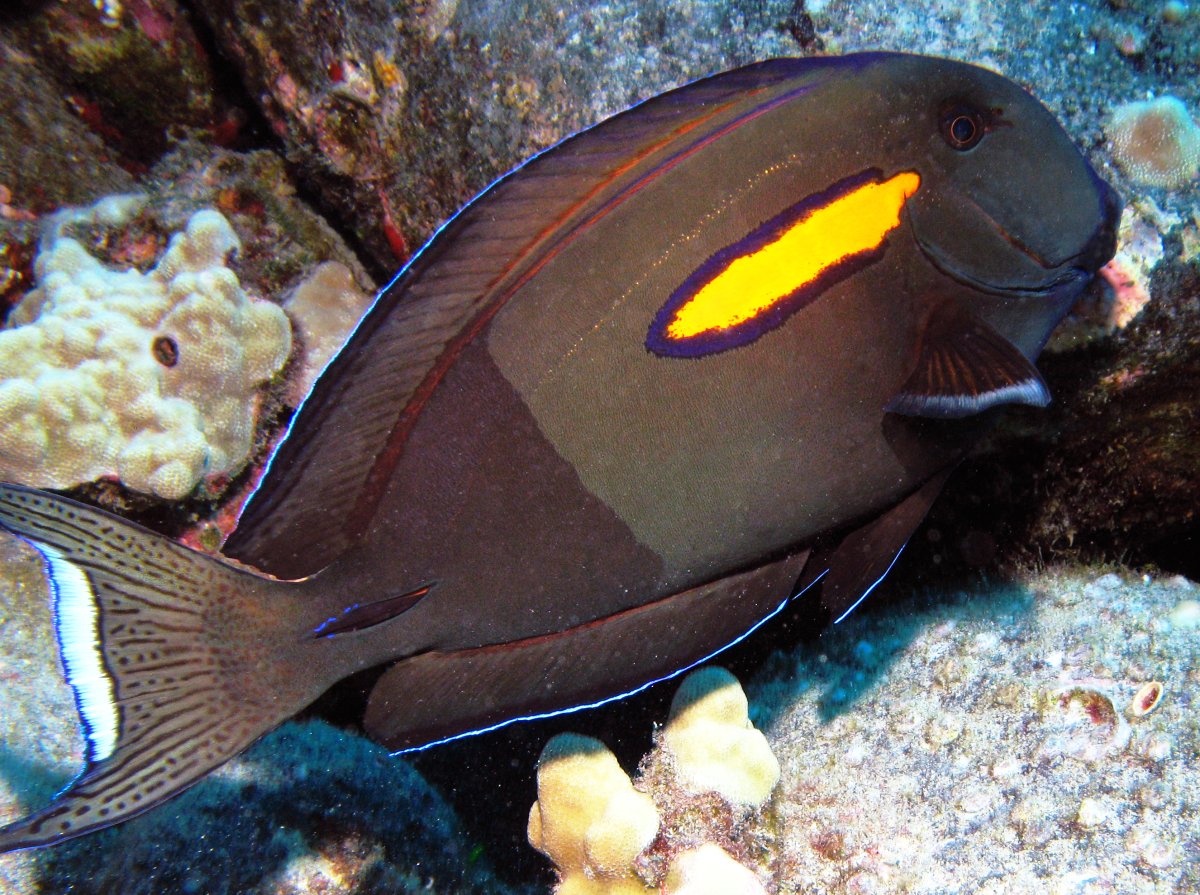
[715, 747]
[588, 819]
[151, 378]
[709, 870]
[708, 773]
[1156, 142]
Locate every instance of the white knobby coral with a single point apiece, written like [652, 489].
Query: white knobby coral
[715, 747]
[151, 378]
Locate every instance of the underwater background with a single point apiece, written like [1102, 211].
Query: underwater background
[1014, 710]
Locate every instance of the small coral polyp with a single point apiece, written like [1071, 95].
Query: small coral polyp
[149, 378]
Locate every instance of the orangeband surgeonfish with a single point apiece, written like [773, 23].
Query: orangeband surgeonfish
[716, 350]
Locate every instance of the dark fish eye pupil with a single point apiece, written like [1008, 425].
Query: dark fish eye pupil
[962, 130]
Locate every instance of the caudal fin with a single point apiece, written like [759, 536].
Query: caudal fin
[176, 659]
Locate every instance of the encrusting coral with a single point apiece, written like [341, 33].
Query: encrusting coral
[1156, 142]
[325, 307]
[151, 378]
[607, 837]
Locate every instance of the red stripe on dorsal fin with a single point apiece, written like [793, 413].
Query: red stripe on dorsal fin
[323, 485]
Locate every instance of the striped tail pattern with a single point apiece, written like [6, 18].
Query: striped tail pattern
[175, 658]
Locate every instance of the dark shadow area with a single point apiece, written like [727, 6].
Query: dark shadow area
[33, 783]
[302, 788]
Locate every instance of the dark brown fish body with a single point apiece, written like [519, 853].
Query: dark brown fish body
[623, 406]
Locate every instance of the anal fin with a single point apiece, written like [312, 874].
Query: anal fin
[861, 559]
[436, 696]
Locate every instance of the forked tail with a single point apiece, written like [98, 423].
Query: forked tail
[178, 660]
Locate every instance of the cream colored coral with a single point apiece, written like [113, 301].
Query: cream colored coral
[325, 307]
[1156, 142]
[710, 870]
[588, 819]
[151, 378]
[714, 745]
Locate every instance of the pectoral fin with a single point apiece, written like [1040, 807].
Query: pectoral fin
[963, 368]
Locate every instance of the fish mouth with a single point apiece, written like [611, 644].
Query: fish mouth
[1071, 278]
[1070, 273]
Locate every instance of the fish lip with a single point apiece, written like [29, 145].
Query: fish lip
[1072, 278]
[1077, 269]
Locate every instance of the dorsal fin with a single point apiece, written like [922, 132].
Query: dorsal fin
[320, 490]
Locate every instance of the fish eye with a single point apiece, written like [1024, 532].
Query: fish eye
[962, 127]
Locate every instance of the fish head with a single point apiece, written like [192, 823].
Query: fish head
[1009, 207]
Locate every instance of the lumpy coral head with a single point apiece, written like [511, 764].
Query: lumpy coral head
[710, 870]
[588, 819]
[715, 747]
[151, 378]
[1156, 142]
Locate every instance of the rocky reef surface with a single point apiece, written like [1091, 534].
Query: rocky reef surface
[1031, 736]
[979, 741]
[1035, 736]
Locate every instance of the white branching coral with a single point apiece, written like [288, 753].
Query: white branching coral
[151, 378]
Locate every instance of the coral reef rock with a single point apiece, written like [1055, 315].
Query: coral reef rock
[1037, 736]
[151, 378]
[695, 794]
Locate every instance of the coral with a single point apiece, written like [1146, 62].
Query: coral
[151, 378]
[588, 819]
[709, 870]
[1156, 142]
[696, 790]
[325, 308]
[714, 745]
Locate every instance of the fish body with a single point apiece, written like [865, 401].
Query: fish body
[720, 348]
